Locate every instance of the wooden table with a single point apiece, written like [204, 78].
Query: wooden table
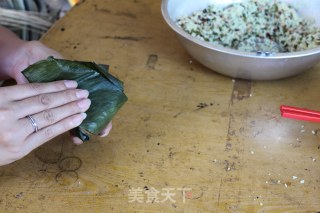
[188, 139]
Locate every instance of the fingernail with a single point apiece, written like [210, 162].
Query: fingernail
[84, 104]
[77, 140]
[82, 94]
[77, 120]
[71, 84]
[104, 133]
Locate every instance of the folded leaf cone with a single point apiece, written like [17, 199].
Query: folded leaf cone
[105, 91]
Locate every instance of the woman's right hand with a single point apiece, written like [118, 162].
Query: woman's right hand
[56, 107]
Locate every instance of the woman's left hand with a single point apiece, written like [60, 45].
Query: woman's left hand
[28, 53]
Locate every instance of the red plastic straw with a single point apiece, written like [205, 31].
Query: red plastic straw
[300, 113]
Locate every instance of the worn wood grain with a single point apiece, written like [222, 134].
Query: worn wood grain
[184, 126]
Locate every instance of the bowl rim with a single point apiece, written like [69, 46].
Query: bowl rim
[226, 50]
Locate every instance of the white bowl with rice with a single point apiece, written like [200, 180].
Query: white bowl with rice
[250, 39]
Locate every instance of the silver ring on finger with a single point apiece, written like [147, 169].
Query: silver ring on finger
[33, 123]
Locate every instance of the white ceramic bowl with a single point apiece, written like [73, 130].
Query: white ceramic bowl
[236, 63]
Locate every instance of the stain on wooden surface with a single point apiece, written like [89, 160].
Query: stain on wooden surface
[152, 61]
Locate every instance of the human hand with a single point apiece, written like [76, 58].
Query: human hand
[56, 108]
[28, 53]
[25, 54]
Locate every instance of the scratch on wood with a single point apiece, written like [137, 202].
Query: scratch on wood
[228, 142]
[176, 115]
[96, 8]
[241, 90]
[127, 38]
[152, 61]
[219, 191]
[103, 10]
[126, 14]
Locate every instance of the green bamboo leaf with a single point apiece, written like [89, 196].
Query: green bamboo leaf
[105, 91]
